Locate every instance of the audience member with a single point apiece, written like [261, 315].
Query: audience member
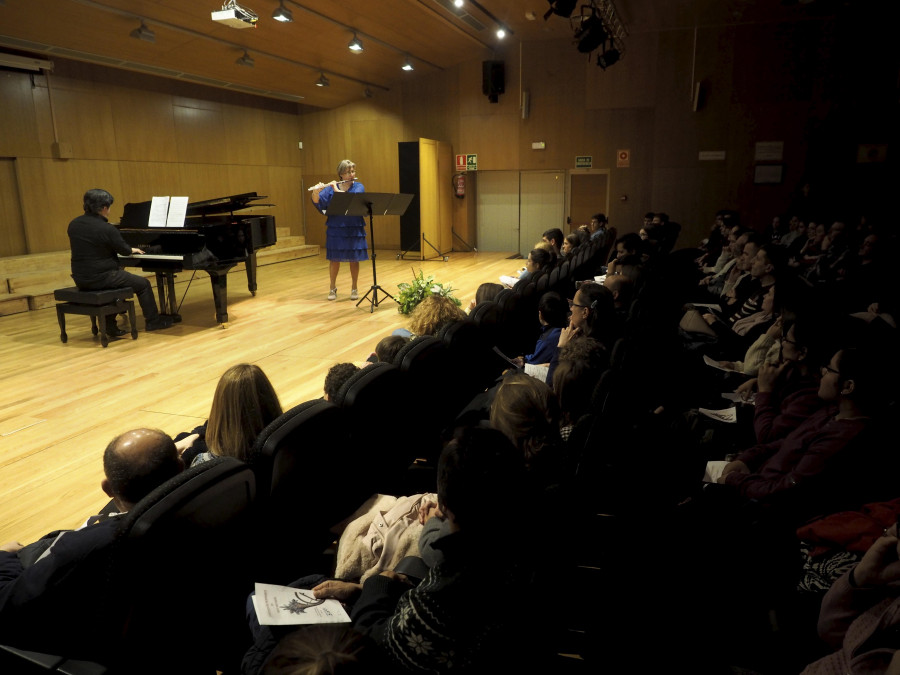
[553, 317]
[243, 405]
[486, 291]
[432, 314]
[337, 375]
[387, 348]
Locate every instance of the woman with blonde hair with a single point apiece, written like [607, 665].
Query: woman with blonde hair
[244, 404]
[434, 312]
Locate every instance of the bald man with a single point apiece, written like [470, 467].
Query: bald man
[135, 463]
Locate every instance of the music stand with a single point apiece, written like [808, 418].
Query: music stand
[370, 204]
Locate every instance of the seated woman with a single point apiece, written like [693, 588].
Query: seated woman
[538, 260]
[244, 404]
[526, 411]
[432, 314]
[486, 291]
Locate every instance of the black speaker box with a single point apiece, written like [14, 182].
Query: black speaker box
[493, 79]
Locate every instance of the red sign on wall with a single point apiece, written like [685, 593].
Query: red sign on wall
[460, 162]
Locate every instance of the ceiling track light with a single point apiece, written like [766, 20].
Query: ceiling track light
[501, 32]
[282, 13]
[407, 65]
[457, 3]
[355, 45]
[143, 33]
[323, 81]
[246, 60]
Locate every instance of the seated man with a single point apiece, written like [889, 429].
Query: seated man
[95, 267]
[464, 614]
[854, 383]
[31, 577]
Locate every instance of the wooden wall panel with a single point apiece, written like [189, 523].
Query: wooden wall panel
[445, 169]
[142, 180]
[199, 134]
[287, 193]
[144, 126]
[12, 233]
[17, 116]
[282, 136]
[51, 193]
[553, 76]
[244, 135]
[429, 199]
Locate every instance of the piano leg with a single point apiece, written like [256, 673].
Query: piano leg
[219, 281]
[251, 272]
[165, 285]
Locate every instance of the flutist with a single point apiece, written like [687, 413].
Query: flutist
[345, 236]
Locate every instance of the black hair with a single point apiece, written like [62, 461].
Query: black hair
[602, 315]
[95, 200]
[387, 348]
[478, 469]
[631, 241]
[554, 309]
[337, 375]
[599, 217]
[554, 235]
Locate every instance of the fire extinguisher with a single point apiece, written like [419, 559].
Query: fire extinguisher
[459, 185]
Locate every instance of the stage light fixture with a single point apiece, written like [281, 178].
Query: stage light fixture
[355, 45]
[608, 58]
[235, 16]
[323, 81]
[282, 13]
[457, 3]
[563, 8]
[591, 35]
[407, 65]
[246, 60]
[143, 33]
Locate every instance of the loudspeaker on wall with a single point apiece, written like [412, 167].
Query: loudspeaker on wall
[493, 79]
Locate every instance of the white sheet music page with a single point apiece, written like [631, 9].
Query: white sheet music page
[159, 208]
[177, 212]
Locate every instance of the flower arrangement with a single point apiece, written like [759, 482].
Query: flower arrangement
[411, 294]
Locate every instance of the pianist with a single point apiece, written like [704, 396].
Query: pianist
[95, 265]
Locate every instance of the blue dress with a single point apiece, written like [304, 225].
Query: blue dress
[345, 236]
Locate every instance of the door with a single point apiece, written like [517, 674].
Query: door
[497, 211]
[542, 205]
[588, 194]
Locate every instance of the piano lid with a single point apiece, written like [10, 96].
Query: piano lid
[138, 214]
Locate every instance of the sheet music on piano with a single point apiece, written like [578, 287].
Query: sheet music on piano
[167, 211]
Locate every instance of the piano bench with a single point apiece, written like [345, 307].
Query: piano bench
[96, 304]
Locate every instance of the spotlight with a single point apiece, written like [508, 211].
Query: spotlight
[563, 8]
[608, 58]
[591, 34]
[501, 32]
[143, 33]
[355, 45]
[407, 65]
[457, 3]
[245, 60]
[282, 13]
[323, 81]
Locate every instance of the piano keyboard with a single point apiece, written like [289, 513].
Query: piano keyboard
[152, 256]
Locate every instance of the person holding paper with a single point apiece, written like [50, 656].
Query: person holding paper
[345, 236]
[95, 244]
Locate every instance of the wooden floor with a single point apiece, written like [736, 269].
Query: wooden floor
[60, 404]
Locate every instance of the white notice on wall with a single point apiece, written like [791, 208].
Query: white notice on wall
[177, 211]
[159, 208]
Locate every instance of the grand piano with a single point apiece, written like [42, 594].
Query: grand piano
[213, 239]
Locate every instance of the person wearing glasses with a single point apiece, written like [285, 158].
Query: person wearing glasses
[852, 387]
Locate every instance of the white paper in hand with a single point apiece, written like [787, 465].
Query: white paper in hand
[286, 606]
[727, 415]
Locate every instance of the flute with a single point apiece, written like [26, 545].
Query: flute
[349, 180]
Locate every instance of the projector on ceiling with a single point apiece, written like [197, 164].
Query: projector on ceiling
[232, 14]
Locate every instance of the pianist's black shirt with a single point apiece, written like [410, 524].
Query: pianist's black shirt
[94, 244]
